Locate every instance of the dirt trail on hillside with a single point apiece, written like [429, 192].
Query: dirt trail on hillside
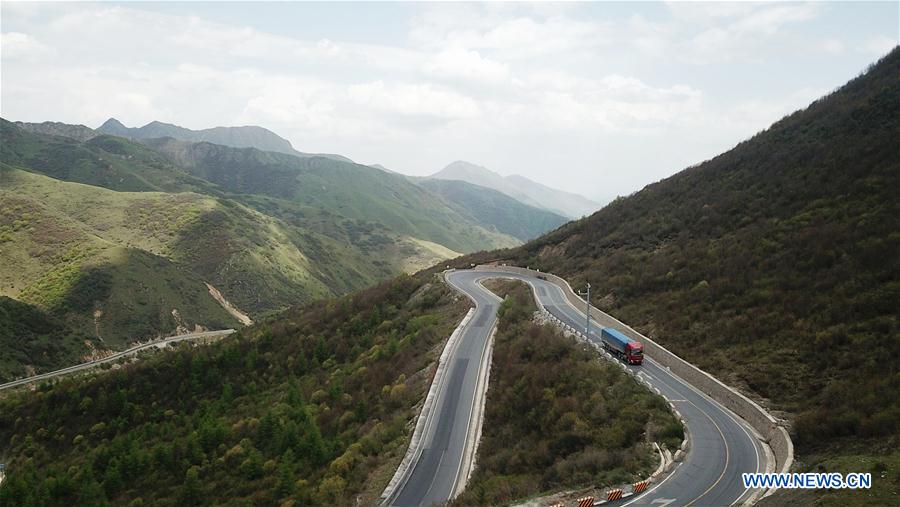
[230, 308]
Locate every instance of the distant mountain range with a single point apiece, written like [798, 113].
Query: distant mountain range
[521, 188]
[55, 128]
[236, 137]
[493, 209]
[113, 237]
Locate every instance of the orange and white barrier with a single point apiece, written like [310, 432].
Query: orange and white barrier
[639, 487]
[587, 501]
[614, 494]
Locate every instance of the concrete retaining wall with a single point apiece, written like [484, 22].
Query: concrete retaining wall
[775, 435]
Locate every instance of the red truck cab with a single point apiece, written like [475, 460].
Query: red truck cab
[634, 353]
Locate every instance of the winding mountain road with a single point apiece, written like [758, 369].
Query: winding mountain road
[722, 445]
[440, 471]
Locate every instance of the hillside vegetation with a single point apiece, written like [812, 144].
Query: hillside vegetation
[559, 417]
[79, 266]
[312, 408]
[30, 336]
[316, 406]
[349, 190]
[775, 266]
[103, 161]
[117, 241]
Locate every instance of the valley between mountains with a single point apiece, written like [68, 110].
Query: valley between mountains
[111, 240]
[774, 266]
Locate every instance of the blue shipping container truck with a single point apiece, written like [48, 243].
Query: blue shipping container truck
[622, 346]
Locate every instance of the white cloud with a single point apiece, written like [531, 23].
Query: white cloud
[733, 31]
[833, 46]
[769, 19]
[754, 115]
[880, 45]
[413, 100]
[23, 47]
[513, 37]
[705, 12]
[466, 65]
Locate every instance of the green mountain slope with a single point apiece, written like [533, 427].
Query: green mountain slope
[84, 272]
[32, 340]
[230, 245]
[105, 161]
[309, 193]
[776, 266]
[493, 209]
[350, 190]
[137, 212]
[114, 265]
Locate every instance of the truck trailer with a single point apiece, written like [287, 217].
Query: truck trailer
[621, 346]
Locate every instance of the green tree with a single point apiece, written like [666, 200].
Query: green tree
[191, 491]
[112, 478]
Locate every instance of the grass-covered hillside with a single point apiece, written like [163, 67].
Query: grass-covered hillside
[251, 256]
[312, 408]
[118, 242]
[80, 267]
[558, 417]
[345, 189]
[776, 266]
[104, 161]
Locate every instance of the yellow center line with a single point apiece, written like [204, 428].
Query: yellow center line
[727, 456]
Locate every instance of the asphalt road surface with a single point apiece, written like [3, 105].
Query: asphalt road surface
[722, 445]
[438, 472]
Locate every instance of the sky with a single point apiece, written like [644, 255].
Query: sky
[596, 98]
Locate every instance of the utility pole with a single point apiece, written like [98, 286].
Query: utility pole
[587, 311]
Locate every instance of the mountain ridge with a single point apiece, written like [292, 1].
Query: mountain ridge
[82, 222]
[355, 190]
[53, 128]
[519, 187]
[494, 209]
[246, 136]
